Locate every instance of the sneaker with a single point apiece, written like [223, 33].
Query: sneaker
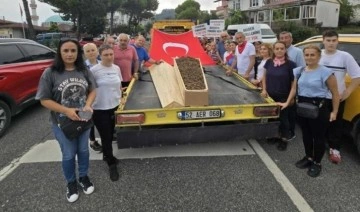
[72, 193]
[95, 145]
[114, 174]
[334, 156]
[314, 170]
[292, 136]
[86, 185]
[282, 146]
[304, 163]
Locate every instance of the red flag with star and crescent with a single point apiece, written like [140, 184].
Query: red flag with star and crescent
[166, 46]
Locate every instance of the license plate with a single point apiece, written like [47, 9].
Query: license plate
[200, 114]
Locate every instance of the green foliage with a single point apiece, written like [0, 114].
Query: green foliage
[349, 29]
[190, 9]
[346, 12]
[299, 32]
[235, 17]
[148, 27]
[122, 28]
[139, 10]
[82, 12]
[112, 7]
[93, 26]
[53, 27]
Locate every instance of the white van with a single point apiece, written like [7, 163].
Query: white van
[267, 35]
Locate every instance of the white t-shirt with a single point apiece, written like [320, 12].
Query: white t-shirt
[340, 63]
[225, 55]
[108, 90]
[243, 59]
[260, 72]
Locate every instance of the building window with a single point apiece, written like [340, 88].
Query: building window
[236, 5]
[263, 16]
[309, 11]
[254, 3]
[278, 14]
[292, 13]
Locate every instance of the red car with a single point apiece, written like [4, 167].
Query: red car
[84, 41]
[22, 63]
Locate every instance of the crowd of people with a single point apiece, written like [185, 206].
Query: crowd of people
[288, 75]
[282, 71]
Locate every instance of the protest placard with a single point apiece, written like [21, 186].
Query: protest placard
[199, 30]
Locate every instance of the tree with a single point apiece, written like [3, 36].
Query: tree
[54, 27]
[81, 12]
[28, 20]
[346, 12]
[190, 9]
[235, 17]
[113, 6]
[139, 10]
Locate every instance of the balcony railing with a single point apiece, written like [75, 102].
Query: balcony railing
[279, 2]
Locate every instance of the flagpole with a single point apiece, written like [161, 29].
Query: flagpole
[23, 28]
[22, 22]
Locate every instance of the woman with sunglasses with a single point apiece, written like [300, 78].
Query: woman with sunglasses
[66, 88]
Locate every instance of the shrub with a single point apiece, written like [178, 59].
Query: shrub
[298, 31]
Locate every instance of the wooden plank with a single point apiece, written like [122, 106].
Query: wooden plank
[167, 88]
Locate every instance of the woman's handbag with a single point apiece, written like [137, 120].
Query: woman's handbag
[307, 110]
[73, 129]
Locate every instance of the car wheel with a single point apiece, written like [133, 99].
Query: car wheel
[5, 117]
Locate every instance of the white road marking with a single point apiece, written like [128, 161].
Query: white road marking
[49, 151]
[289, 188]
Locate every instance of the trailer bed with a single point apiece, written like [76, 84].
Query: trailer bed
[223, 90]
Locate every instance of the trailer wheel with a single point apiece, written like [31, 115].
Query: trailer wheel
[5, 117]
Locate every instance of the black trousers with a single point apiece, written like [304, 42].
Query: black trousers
[335, 131]
[292, 118]
[314, 131]
[92, 133]
[104, 121]
[284, 127]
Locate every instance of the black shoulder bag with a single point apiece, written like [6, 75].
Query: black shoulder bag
[306, 109]
[73, 129]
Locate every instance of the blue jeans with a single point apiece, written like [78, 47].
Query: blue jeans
[70, 149]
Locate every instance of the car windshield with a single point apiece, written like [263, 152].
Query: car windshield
[267, 32]
[352, 48]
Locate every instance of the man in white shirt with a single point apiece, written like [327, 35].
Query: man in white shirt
[245, 57]
[341, 63]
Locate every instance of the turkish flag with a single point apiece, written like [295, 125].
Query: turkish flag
[166, 46]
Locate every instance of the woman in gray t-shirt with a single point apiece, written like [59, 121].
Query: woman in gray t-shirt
[65, 88]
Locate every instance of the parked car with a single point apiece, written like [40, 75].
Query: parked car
[50, 39]
[22, 63]
[349, 43]
[86, 40]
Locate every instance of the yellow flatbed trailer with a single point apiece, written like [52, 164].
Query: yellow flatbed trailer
[235, 111]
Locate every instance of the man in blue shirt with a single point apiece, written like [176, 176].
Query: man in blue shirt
[296, 55]
[221, 44]
[142, 52]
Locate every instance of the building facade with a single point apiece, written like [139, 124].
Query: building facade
[322, 13]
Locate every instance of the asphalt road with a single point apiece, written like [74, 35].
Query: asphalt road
[254, 177]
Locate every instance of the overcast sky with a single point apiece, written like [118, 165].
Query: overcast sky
[9, 9]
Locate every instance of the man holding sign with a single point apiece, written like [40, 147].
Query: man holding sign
[245, 57]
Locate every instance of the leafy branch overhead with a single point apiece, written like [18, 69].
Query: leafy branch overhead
[89, 16]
